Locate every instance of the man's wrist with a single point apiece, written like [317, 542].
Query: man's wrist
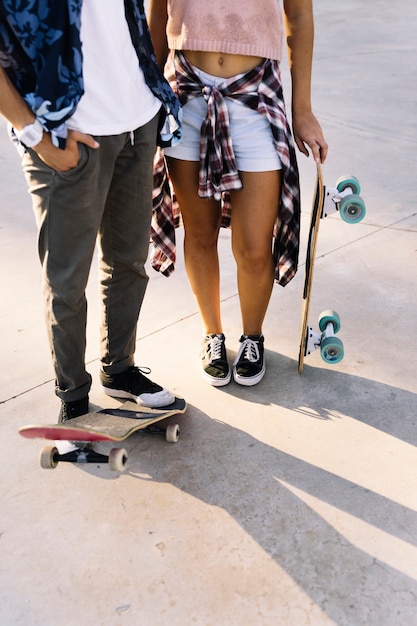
[31, 134]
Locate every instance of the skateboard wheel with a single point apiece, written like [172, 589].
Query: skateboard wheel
[345, 182]
[117, 459]
[48, 457]
[352, 209]
[172, 433]
[327, 317]
[331, 350]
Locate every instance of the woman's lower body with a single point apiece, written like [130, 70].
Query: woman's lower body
[254, 214]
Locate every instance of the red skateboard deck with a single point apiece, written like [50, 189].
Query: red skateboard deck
[113, 425]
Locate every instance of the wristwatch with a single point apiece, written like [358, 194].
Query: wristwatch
[31, 134]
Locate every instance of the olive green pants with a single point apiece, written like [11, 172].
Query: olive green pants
[106, 199]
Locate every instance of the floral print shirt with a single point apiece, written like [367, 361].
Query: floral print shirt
[40, 50]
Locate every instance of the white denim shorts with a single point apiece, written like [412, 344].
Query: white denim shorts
[250, 132]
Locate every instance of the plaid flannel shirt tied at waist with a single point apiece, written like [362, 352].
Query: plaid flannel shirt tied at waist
[218, 171]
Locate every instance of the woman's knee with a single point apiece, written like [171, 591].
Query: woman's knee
[253, 259]
[202, 234]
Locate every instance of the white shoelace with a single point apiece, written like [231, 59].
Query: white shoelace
[250, 351]
[214, 348]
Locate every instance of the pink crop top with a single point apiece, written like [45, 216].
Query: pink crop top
[229, 26]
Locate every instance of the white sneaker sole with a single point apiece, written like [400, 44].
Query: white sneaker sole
[151, 400]
[246, 381]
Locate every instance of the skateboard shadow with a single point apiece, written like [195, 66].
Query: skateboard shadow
[273, 495]
[326, 394]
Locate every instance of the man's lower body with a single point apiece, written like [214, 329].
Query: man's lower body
[106, 198]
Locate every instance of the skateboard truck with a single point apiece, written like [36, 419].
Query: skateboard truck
[344, 198]
[331, 347]
[51, 456]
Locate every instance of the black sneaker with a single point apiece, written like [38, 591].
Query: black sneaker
[69, 410]
[133, 385]
[214, 366]
[249, 366]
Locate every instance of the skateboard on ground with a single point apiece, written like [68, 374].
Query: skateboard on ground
[74, 439]
[345, 199]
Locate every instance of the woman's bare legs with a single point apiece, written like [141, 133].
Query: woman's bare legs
[254, 211]
[201, 224]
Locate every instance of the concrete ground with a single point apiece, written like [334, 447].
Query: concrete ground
[290, 503]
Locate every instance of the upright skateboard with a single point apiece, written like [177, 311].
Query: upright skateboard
[345, 199]
[74, 439]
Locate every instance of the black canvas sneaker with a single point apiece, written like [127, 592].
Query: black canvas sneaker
[249, 366]
[214, 366]
[132, 384]
[69, 410]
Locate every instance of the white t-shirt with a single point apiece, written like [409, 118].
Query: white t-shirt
[117, 98]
